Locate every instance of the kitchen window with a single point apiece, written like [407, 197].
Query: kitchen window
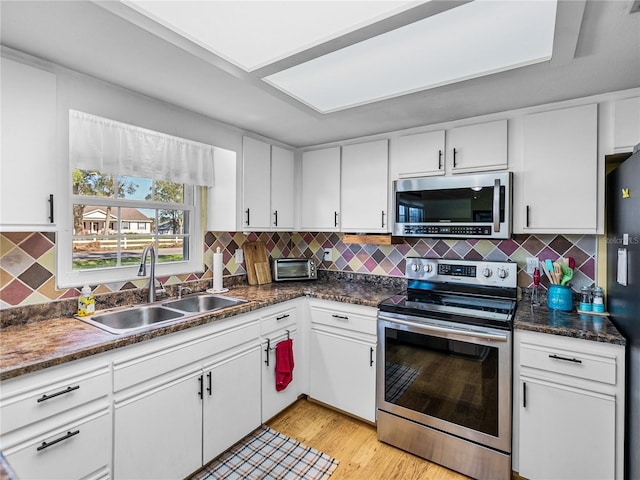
[116, 216]
[130, 187]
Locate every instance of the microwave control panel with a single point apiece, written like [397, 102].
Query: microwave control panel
[475, 230]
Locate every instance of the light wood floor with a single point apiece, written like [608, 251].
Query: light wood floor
[355, 445]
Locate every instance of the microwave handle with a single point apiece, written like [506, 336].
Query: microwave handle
[496, 205]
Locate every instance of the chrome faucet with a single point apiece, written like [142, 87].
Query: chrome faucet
[182, 289]
[142, 271]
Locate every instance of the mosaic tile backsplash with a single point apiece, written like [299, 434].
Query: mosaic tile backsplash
[27, 261]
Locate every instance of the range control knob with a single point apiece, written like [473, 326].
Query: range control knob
[428, 268]
[487, 272]
[503, 273]
[415, 267]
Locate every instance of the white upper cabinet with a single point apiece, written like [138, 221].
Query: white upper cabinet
[559, 175]
[365, 186]
[268, 186]
[420, 154]
[28, 172]
[282, 188]
[222, 198]
[626, 123]
[321, 190]
[256, 189]
[475, 148]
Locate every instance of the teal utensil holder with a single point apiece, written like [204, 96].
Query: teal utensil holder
[560, 297]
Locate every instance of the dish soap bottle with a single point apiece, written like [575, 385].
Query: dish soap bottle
[86, 302]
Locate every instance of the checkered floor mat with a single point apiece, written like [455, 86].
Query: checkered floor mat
[268, 454]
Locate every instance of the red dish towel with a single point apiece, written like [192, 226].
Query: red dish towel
[284, 364]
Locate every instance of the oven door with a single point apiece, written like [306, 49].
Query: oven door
[449, 376]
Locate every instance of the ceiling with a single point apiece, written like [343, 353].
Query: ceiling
[596, 50]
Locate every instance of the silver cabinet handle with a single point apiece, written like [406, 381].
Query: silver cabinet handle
[382, 219]
[341, 317]
[248, 217]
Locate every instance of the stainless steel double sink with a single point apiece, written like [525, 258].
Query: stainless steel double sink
[127, 319]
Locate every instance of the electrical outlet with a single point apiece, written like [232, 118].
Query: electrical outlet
[327, 255]
[532, 263]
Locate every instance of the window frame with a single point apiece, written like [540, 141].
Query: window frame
[67, 277]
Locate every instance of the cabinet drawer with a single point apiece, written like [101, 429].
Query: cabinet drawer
[23, 406]
[344, 319]
[579, 364]
[75, 450]
[285, 318]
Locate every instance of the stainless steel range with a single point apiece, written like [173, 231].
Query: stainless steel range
[445, 360]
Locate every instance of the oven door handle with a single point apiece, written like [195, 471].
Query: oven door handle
[439, 329]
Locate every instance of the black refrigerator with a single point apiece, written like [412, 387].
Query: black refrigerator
[623, 289]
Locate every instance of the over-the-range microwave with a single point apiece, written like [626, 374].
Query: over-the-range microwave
[459, 206]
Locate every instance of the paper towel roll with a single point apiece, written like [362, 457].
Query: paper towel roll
[217, 271]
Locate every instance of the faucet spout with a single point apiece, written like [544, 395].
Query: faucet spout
[142, 271]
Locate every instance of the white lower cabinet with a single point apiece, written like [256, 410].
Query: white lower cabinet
[278, 325]
[159, 434]
[231, 406]
[343, 357]
[183, 399]
[566, 432]
[570, 408]
[56, 423]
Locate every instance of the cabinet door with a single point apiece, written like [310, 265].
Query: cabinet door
[222, 214]
[158, 434]
[256, 185]
[565, 432]
[478, 147]
[342, 373]
[560, 171]
[231, 402]
[321, 190]
[273, 402]
[28, 152]
[282, 185]
[421, 154]
[365, 186]
[626, 124]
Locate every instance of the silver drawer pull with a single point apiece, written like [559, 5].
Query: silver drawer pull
[565, 359]
[286, 315]
[57, 440]
[341, 317]
[61, 392]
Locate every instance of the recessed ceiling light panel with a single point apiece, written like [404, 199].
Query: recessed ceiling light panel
[475, 39]
[253, 34]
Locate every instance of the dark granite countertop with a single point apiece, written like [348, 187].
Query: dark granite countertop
[541, 318]
[26, 348]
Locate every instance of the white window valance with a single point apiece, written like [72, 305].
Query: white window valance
[97, 143]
